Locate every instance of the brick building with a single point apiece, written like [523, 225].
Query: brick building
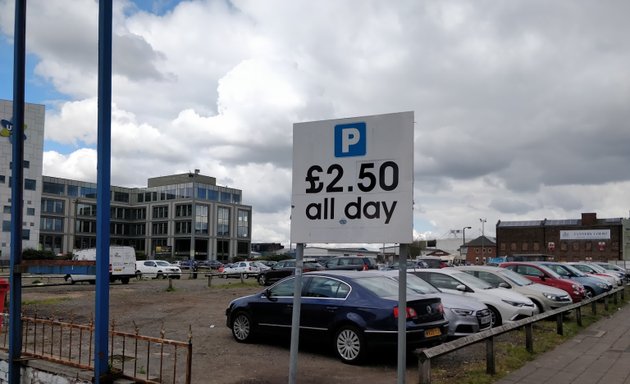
[588, 238]
[479, 250]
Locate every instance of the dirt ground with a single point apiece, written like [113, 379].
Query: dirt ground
[217, 358]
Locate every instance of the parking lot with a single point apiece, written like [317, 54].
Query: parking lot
[194, 306]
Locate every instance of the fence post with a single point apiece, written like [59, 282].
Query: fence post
[606, 303]
[424, 368]
[578, 315]
[490, 367]
[615, 301]
[559, 323]
[594, 308]
[209, 279]
[529, 339]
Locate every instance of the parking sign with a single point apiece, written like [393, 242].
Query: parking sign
[353, 180]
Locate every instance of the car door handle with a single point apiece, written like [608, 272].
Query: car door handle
[331, 309]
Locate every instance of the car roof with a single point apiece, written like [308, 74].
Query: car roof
[480, 268]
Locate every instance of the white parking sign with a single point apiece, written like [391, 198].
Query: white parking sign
[353, 180]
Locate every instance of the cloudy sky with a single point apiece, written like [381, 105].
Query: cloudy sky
[521, 108]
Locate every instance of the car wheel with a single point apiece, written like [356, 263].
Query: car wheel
[496, 316]
[242, 327]
[138, 275]
[262, 280]
[224, 276]
[70, 279]
[589, 292]
[539, 306]
[159, 276]
[245, 276]
[124, 280]
[350, 344]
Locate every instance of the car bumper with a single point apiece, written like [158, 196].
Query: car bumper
[428, 334]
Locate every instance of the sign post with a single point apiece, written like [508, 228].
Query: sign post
[353, 183]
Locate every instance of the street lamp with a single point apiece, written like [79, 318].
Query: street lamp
[464, 238]
[483, 221]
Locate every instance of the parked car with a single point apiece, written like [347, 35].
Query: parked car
[157, 269]
[545, 297]
[285, 268]
[504, 304]
[593, 286]
[433, 261]
[597, 271]
[241, 268]
[355, 312]
[351, 263]
[465, 315]
[613, 267]
[543, 275]
[210, 264]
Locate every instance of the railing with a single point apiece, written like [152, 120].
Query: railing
[425, 355]
[139, 358]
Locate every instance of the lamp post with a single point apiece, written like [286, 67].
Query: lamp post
[483, 235]
[464, 238]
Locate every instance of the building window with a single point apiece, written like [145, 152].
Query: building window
[122, 197]
[30, 184]
[26, 234]
[85, 226]
[6, 226]
[53, 188]
[73, 190]
[30, 211]
[182, 227]
[588, 246]
[536, 246]
[52, 206]
[243, 224]
[242, 248]
[86, 209]
[201, 219]
[525, 246]
[503, 246]
[223, 221]
[226, 197]
[88, 192]
[160, 212]
[576, 246]
[513, 247]
[213, 195]
[2, 179]
[563, 246]
[51, 224]
[160, 228]
[26, 163]
[7, 209]
[184, 210]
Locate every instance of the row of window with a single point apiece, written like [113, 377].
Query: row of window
[183, 191]
[29, 184]
[563, 246]
[29, 211]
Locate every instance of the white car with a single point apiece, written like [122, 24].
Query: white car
[240, 268]
[157, 269]
[506, 305]
[545, 297]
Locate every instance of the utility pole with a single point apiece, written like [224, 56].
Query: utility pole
[483, 236]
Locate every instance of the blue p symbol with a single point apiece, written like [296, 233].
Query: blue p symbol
[350, 140]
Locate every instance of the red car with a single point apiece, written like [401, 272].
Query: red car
[543, 275]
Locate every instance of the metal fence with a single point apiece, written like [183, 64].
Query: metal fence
[142, 359]
[425, 355]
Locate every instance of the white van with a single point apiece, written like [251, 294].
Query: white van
[122, 264]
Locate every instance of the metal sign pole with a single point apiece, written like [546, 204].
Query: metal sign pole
[295, 320]
[402, 312]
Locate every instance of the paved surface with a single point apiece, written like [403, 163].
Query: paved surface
[600, 354]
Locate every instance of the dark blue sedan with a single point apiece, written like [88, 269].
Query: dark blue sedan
[354, 311]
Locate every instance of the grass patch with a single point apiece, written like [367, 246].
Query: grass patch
[48, 301]
[249, 283]
[510, 352]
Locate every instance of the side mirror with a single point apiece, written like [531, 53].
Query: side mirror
[504, 285]
[268, 295]
[543, 277]
[461, 287]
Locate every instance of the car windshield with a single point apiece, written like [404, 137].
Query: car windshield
[471, 280]
[597, 268]
[516, 278]
[380, 285]
[418, 285]
[574, 270]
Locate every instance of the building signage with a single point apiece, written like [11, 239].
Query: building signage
[353, 180]
[586, 234]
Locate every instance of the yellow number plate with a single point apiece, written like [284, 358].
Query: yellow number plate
[432, 332]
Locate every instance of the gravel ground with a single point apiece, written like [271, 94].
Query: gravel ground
[217, 358]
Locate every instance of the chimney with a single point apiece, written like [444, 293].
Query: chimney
[589, 218]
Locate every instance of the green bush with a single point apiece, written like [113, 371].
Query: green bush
[33, 254]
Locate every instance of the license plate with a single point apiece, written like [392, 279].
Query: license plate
[432, 332]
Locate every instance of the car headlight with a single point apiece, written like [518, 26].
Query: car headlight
[515, 303]
[463, 312]
[602, 285]
[553, 297]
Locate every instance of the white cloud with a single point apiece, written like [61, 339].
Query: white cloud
[521, 108]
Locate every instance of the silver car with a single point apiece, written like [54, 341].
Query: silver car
[545, 297]
[465, 315]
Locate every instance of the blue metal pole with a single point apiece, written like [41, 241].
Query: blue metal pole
[103, 189]
[17, 193]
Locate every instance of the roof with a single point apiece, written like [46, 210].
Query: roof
[482, 241]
